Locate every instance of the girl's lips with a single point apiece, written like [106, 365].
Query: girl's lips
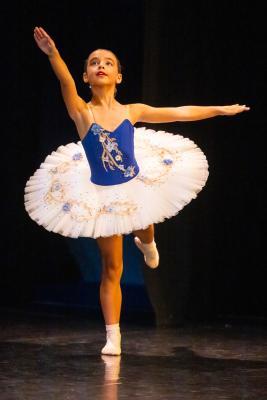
[101, 74]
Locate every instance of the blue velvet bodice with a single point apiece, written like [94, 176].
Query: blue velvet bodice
[110, 154]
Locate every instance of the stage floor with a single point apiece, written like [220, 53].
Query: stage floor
[58, 357]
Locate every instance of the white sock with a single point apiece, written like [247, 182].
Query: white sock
[113, 336]
[150, 252]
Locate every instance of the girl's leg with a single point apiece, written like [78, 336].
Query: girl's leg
[110, 290]
[144, 240]
[145, 235]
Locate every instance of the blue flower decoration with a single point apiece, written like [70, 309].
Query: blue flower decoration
[110, 146]
[77, 156]
[66, 207]
[129, 171]
[96, 129]
[167, 161]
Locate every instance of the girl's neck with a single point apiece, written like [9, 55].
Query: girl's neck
[103, 97]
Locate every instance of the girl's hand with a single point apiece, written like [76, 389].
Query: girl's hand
[233, 109]
[44, 41]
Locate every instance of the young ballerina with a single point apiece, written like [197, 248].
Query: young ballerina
[117, 179]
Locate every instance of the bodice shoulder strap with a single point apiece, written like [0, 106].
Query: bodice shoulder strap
[91, 112]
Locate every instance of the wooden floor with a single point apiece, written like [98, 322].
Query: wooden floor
[58, 357]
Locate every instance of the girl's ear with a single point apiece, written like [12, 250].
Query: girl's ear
[119, 78]
[85, 78]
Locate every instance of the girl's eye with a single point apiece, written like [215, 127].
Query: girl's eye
[95, 62]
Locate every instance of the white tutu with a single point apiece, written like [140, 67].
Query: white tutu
[61, 197]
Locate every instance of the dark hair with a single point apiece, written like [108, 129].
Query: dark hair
[116, 58]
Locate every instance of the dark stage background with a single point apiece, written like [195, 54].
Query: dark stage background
[174, 53]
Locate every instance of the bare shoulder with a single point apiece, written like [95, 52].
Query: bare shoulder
[136, 111]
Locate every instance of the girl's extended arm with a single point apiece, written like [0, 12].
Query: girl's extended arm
[73, 102]
[145, 113]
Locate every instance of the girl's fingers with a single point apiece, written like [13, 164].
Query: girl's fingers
[38, 34]
[43, 32]
[36, 38]
[240, 107]
[236, 108]
[37, 30]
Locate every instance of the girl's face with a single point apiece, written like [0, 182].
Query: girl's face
[102, 69]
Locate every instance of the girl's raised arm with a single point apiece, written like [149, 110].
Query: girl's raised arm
[73, 102]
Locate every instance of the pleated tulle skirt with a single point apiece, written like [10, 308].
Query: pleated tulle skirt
[61, 198]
